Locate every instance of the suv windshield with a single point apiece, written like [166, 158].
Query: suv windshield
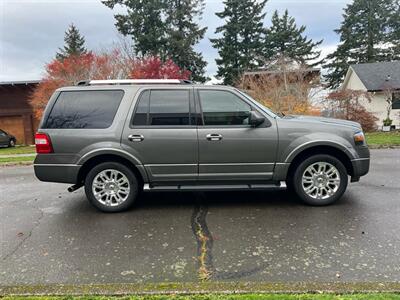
[258, 104]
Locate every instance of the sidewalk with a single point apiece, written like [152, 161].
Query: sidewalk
[17, 155]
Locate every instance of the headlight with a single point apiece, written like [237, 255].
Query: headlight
[359, 138]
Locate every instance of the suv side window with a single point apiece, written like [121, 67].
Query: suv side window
[2, 133]
[223, 108]
[163, 108]
[84, 109]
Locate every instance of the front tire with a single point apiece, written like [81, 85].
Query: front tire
[320, 180]
[11, 143]
[111, 187]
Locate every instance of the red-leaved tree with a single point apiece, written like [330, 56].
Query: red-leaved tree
[155, 68]
[347, 104]
[105, 65]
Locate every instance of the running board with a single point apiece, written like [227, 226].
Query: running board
[238, 187]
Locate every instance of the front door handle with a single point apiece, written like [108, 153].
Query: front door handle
[214, 137]
[136, 137]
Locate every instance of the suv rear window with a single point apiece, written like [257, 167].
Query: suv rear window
[84, 109]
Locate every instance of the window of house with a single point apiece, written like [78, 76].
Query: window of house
[163, 108]
[84, 109]
[223, 108]
[396, 100]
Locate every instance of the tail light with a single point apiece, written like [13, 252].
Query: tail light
[43, 143]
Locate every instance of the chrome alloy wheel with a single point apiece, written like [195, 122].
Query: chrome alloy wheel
[321, 180]
[111, 187]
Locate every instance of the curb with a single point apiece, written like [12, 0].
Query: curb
[16, 164]
[378, 147]
[17, 155]
[188, 288]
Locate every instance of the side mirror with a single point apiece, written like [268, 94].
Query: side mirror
[256, 119]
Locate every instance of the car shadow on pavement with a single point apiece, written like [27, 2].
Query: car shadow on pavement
[215, 199]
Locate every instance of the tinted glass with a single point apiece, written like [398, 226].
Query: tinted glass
[2, 133]
[84, 109]
[142, 109]
[169, 107]
[223, 108]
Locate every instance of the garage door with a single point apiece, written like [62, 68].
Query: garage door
[14, 126]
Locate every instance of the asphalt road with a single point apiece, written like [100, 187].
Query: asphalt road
[51, 236]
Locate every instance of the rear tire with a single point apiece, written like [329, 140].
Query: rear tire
[111, 187]
[11, 143]
[320, 180]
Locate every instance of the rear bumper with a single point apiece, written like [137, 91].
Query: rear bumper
[57, 173]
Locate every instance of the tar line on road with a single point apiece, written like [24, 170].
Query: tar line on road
[205, 241]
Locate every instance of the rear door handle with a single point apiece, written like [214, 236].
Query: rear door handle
[136, 137]
[214, 137]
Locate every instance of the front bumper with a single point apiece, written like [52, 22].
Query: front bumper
[360, 168]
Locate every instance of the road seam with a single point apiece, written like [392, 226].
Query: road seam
[27, 236]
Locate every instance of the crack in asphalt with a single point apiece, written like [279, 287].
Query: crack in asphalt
[27, 236]
[205, 244]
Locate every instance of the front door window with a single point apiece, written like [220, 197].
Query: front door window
[223, 108]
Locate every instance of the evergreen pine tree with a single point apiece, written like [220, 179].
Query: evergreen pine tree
[144, 23]
[164, 28]
[183, 34]
[285, 42]
[74, 44]
[366, 35]
[240, 44]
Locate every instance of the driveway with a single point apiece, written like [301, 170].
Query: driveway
[51, 236]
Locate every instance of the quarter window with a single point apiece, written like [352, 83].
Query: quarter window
[142, 110]
[223, 108]
[84, 109]
[163, 108]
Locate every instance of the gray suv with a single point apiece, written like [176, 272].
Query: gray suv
[120, 137]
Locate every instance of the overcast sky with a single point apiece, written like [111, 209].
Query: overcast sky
[32, 30]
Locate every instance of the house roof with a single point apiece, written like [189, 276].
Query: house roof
[379, 76]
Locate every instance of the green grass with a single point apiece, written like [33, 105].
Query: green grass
[16, 160]
[383, 139]
[225, 297]
[17, 150]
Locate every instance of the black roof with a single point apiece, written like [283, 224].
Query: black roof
[379, 76]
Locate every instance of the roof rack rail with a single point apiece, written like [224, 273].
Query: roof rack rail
[134, 81]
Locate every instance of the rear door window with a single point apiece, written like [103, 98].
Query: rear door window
[163, 108]
[84, 109]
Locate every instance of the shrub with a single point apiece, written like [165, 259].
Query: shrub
[346, 104]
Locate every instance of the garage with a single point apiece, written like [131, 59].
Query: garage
[16, 114]
[14, 125]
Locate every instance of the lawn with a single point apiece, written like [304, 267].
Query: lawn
[17, 150]
[16, 160]
[383, 139]
[226, 297]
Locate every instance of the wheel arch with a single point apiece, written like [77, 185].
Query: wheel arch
[336, 152]
[94, 160]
